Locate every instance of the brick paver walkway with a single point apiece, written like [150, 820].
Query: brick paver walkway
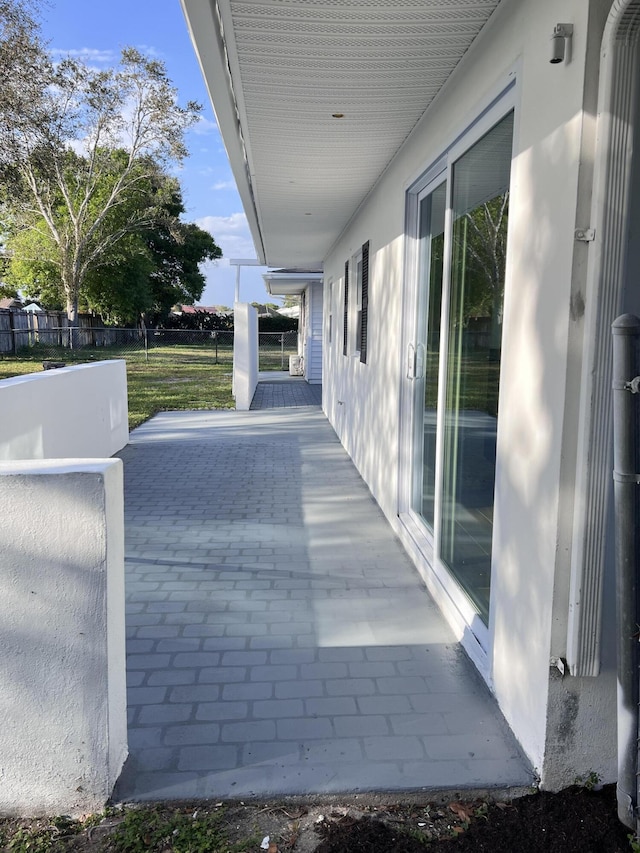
[278, 390]
[279, 640]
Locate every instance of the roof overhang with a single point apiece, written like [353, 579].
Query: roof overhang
[280, 283]
[314, 98]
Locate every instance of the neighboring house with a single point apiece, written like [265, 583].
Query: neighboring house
[308, 287]
[473, 207]
[293, 311]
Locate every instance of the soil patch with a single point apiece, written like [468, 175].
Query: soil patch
[577, 819]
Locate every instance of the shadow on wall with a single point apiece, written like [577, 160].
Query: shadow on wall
[538, 422]
[363, 399]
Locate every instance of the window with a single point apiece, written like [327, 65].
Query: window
[356, 304]
[462, 237]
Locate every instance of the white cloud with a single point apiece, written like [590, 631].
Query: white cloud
[232, 224]
[231, 233]
[224, 185]
[150, 51]
[88, 55]
[93, 56]
[204, 126]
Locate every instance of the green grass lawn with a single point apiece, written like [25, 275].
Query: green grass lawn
[10, 367]
[168, 382]
[163, 387]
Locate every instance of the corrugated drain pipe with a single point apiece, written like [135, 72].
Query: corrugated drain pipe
[626, 476]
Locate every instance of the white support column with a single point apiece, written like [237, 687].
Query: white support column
[245, 354]
[63, 739]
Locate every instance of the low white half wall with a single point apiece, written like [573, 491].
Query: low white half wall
[63, 738]
[245, 354]
[70, 412]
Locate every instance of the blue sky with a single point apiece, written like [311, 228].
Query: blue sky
[95, 32]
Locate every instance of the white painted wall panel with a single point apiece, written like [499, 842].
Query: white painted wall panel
[245, 354]
[78, 411]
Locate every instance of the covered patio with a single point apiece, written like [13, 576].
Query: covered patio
[280, 642]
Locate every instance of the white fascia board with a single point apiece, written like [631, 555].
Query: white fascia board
[209, 45]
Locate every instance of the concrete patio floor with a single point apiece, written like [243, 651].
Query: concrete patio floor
[280, 642]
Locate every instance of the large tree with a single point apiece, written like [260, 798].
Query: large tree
[83, 147]
[147, 270]
[155, 267]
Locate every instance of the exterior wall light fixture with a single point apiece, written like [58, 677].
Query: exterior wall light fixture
[561, 43]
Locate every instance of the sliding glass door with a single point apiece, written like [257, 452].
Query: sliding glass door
[432, 210]
[462, 231]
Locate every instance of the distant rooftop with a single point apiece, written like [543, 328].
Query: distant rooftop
[200, 309]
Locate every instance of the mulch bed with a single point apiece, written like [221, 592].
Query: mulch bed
[573, 820]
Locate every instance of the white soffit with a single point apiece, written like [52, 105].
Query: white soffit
[286, 283]
[277, 72]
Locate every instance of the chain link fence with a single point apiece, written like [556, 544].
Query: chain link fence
[275, 348]
[76, 345]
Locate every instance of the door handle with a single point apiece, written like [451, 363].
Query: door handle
[411, 362]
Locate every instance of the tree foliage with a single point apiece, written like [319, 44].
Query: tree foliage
[156, 267]
[80, 148]
[25, 71]
[277, 324]
[480, 245]
[200, 320]
[146, 270]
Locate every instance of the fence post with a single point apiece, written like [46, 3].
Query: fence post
[626, 386]
[215, 337]
[282, 351]
[12, 327]
[146, 344]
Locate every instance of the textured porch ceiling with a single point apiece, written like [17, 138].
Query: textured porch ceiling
[278, 71]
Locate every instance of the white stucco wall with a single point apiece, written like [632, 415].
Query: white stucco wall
[63, 738]
[78, 411]
[245, 354]
[542, 341]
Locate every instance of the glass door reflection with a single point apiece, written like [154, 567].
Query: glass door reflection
[480, 203]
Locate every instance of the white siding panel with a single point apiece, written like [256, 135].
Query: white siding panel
[313, 368]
